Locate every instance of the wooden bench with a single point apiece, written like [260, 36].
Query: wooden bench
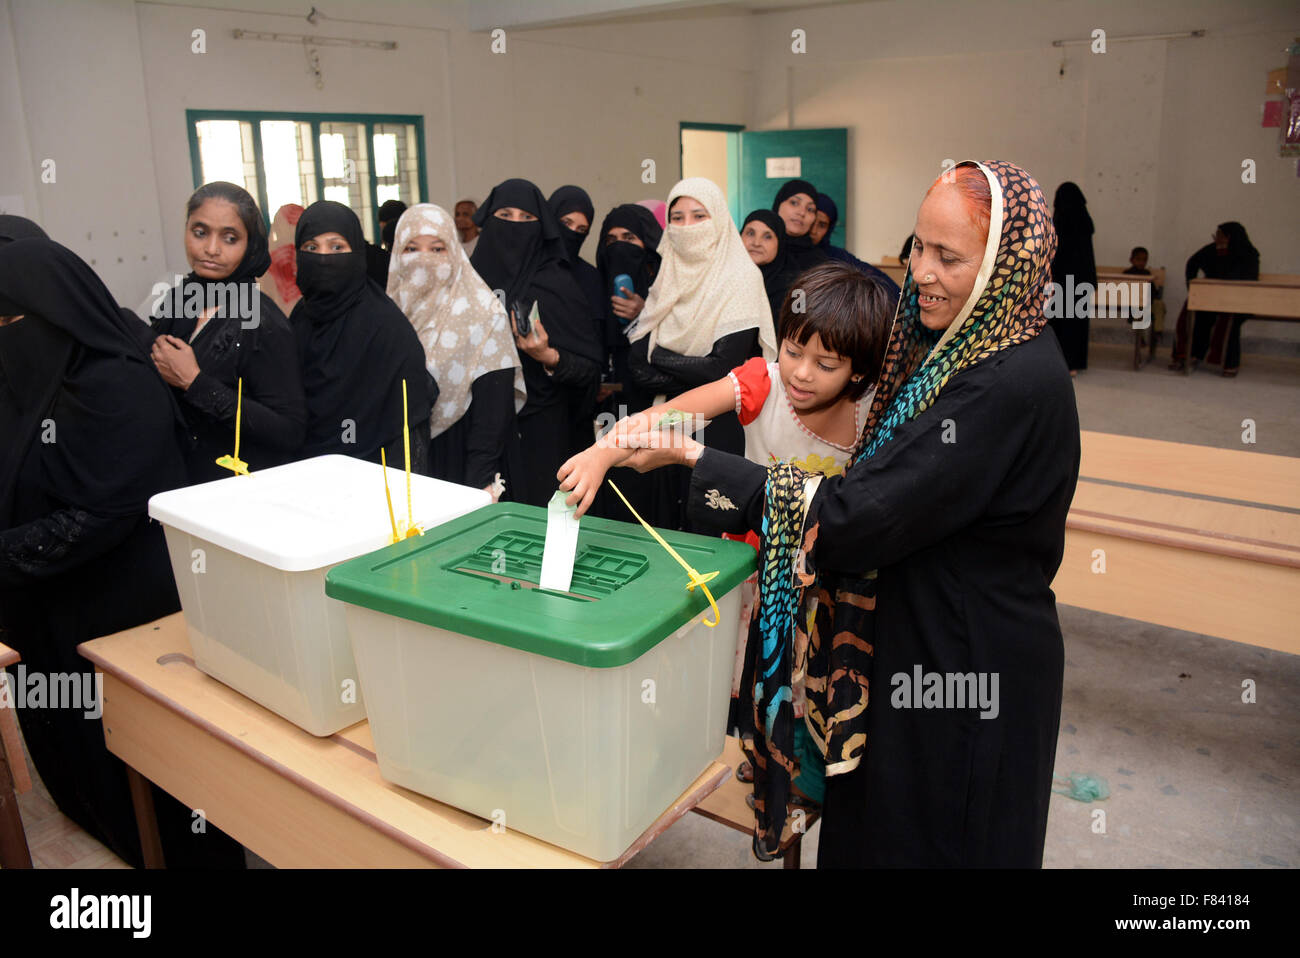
[1189, 537]
[14, 780]
[727, 805]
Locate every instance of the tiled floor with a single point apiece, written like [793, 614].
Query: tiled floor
[1197, 778]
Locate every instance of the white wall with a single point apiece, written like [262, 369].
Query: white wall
[1154, 132]
[83, 104]
[105, 84]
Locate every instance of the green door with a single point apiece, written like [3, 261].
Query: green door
[821, 157]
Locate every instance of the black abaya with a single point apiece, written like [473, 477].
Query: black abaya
[1073, 265]
[527, 261]
[79, 557]
[259, 350]
[355, 348]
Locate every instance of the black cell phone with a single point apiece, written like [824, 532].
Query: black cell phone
[523, 317]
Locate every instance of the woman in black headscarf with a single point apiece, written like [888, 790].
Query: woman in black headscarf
[90, 433]
[217, 329]
[1230, 256]
[627, 249]
[572, 207]
[1073, 259]
[355, 348]
[627, 246]
[796, 204]
[521, 254]
[763, 234]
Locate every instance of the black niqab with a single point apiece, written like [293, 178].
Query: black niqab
[354, 344]
[572, 199]
[529, 262]
[622, 258]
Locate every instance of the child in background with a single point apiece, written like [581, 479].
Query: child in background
[808, 406]
[1137, 266]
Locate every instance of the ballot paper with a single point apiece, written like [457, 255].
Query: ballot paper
[561, 544]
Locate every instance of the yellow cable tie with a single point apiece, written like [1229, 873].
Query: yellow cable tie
[234, 463]
[383, 461]
[408, 528]
[697, 579]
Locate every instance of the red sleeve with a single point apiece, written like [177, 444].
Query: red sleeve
[752, 384]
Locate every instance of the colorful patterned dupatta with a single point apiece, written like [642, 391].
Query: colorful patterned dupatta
[824, 623]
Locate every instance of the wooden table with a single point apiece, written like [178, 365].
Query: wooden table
[14, 779]
[295, 800]
[1121, 294]
[728, 806]
[1265, 300]
[1194, 538]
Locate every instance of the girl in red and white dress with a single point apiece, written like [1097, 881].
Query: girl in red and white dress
[807, 407]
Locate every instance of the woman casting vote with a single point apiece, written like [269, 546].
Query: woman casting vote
[929, 562]
[216, 330]
[355, 349]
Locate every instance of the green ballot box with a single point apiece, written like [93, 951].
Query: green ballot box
[577, 717]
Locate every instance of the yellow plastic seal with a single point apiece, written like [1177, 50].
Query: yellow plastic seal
[404, 528]
[233, 462]
[697, 579]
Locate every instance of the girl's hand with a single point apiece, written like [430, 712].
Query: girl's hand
[627, 308]
[582, 475]
[175, 361]
[537, 344]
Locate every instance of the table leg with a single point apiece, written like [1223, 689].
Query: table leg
[14, 852]
[145, 819]
[791, 857]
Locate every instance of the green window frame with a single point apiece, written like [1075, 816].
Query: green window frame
[369, 120]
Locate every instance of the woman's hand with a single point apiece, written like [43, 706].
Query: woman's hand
[654, 448]
[175, 361]
[582, 475]
[537, 344]
[627, 308]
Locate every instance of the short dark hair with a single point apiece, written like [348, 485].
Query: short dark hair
[850, 312]
[1136, 250]
[237, 196]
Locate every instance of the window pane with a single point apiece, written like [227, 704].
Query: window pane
[345, 167]
[404, 171]
[385, 154]
[284, 179]
[226, 153]
[333, 156]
